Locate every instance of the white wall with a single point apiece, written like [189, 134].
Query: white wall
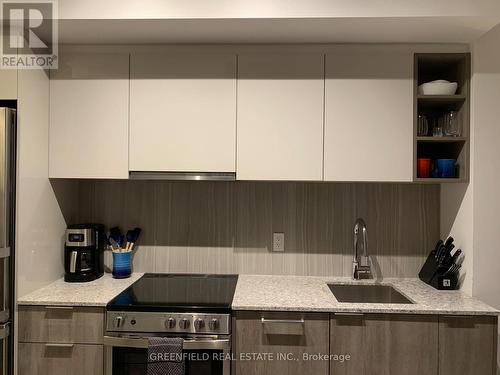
[457, 221]
[486, 117]
[486, 197]
[40, 224]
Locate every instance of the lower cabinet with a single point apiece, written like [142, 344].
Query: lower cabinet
[268, 343]
[380, 344]
[60, 359]
[467, 345]
[60, 340]
[275, 343]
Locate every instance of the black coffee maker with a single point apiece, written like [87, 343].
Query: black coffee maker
[84, 252]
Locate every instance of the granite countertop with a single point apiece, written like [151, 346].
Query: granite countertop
[307, 293]
[94, 293]
[278, 293]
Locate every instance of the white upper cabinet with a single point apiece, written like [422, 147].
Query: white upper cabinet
[280, 116]
[88, 135]
[8, 83]
[368, 114]
[183, 112]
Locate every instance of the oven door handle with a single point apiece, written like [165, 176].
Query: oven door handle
[189, 344]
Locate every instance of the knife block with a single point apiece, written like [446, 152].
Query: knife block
[432, 275]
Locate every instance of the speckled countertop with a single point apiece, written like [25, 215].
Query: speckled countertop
[306, 293]
[278, 293]
[95, 293]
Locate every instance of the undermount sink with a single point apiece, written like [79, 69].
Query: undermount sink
[366, 293]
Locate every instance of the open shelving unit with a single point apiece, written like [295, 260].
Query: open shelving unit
[454, 67]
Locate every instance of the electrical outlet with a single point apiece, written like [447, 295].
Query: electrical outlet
[278, 241]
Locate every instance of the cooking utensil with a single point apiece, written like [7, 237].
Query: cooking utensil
[122, 241]
[130, 239]
[114, 245]
[135, 237]
[115, 233]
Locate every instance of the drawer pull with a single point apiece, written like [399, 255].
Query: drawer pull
[282, 321]
[59, 307]
[59, 345]
[348, 314]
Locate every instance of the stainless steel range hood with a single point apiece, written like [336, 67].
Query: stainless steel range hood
[183, 176]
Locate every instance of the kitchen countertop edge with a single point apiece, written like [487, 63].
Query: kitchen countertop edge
[95, 293]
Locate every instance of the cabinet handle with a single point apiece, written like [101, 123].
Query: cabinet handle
[59, 345]
[59, 307]
[290, 321]
[348, 314]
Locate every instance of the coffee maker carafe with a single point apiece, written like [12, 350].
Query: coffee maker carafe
[84, 252]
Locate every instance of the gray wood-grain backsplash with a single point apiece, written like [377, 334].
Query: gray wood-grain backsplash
[227, 227]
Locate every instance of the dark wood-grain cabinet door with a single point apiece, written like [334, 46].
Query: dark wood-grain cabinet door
[467, 345]
[291, 343]
[384, 344]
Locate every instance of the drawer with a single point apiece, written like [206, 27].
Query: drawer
[57, 324]
[288, 338]
[60, 359]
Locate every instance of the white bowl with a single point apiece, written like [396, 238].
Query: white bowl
[439, 87]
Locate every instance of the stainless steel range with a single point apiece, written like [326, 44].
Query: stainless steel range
[194, 307]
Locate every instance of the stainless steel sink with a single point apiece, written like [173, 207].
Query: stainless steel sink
[366, 293]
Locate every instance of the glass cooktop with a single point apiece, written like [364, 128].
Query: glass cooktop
[177, 292]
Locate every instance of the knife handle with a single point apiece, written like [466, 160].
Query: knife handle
[449, 241]
[456, 255]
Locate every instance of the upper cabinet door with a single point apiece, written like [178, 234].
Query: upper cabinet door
[183, 112]
[88, 135]
[280, 116]
[8, 88]
[368, 114]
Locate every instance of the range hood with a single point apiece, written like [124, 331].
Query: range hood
[183, 176]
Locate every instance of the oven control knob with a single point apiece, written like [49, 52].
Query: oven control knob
[184, 323]
[170, 323]
[213, 324]
[199, 324]
[118, 321]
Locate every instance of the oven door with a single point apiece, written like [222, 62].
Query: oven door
[127, 355]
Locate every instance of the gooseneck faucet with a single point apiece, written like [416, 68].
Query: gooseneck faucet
[360, 264]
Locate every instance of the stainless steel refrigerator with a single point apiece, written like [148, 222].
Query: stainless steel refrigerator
[7, 221]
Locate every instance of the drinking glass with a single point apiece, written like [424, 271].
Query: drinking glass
[437, 129]
[422, 126]
[451, 124]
